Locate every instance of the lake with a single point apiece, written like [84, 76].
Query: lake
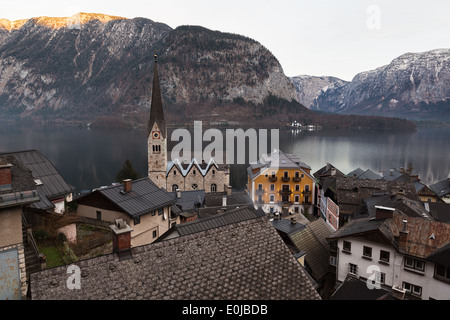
[90, 158]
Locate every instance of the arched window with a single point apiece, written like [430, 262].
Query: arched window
[174, 172]
[214, 171]
[193, 171]
[213, 187]
[174, 188]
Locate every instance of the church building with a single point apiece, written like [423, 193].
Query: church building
[178, 174]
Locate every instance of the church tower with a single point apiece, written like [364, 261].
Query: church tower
[157, 135]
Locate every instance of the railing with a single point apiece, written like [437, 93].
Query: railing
[285, 192]
[285, 203]
[285, 179]
[30, 238]
[296, 179]
[272, 178]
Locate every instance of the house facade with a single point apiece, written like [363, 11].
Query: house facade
[178, 174]
[283, 185]
[17, 189]
[146, 208]
[394, 252]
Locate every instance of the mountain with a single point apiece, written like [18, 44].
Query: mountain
[308, 88]
[94, 66]
[414, 86]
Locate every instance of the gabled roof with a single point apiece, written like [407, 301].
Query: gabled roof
[184, 168]
[439, 211]
[361, 174]
[328, 170]
[144, 197]
[424, 237]
[278, 160]
[189, 199]
[50, 184]
[239, 261]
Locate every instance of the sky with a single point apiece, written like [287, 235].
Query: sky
[314, 37]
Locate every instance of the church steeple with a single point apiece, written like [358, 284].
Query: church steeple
[156, 139]
[156, 108]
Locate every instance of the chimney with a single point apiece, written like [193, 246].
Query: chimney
[293, 220]
[121, 239]
[127, 185]
[224, 201]
[178, 194]
[333, 171]
[383, 212]
[391, 172]
[403, 237]
[5, 174]
[228, 190]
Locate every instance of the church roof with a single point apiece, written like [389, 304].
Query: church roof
[156, 108]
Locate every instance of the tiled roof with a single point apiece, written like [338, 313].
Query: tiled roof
[245, 260]
[53, 184]
[424, 237]
[312, 239]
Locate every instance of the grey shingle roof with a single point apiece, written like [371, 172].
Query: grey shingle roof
[245, 260]
[356, 289]
[189, 199]
[441, 188]
[53, 184]
[144, 197]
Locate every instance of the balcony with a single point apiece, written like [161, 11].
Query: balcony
[296, 179]
[272, 178]
[306, 192]
[285, 203]
[285, 192]
[285, 179]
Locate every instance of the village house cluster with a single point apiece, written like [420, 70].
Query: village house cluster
[183, 233]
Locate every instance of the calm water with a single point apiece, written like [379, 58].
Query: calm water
[91, 158]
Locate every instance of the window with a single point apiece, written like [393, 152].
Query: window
[353, 268]
[273, 173]
[260, 200]
[213, 187]
[137, 220]
[332, 261]
[214, 172]
[193, 171]
[98, 215]
[442, 272]
[297, 198]
[412, 288]
[297, 174]
[271, 209]
[156, 148]
[174, 172]
[347, 246]
[260, 186]
[414, 264]
[367, 252]
[153, 212]
[384, 256]
[297, 187]
[174, 188]
[160, 211]
[307, 187]
[194, 186]
[296, 209]
[286, 174]
[272, 187]
[272, 198]
[155, 234]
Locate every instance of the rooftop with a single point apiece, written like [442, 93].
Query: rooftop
[244, 260]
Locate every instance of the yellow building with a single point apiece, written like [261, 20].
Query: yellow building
[284, 184]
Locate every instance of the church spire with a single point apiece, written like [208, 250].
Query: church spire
[156, 108]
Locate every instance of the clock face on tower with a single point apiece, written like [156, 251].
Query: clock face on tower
[155, 134]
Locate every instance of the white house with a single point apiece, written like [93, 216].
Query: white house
[405, 254]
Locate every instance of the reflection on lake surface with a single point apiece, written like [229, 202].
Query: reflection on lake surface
[91, 158]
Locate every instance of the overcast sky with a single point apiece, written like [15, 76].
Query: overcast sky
[314, 37]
